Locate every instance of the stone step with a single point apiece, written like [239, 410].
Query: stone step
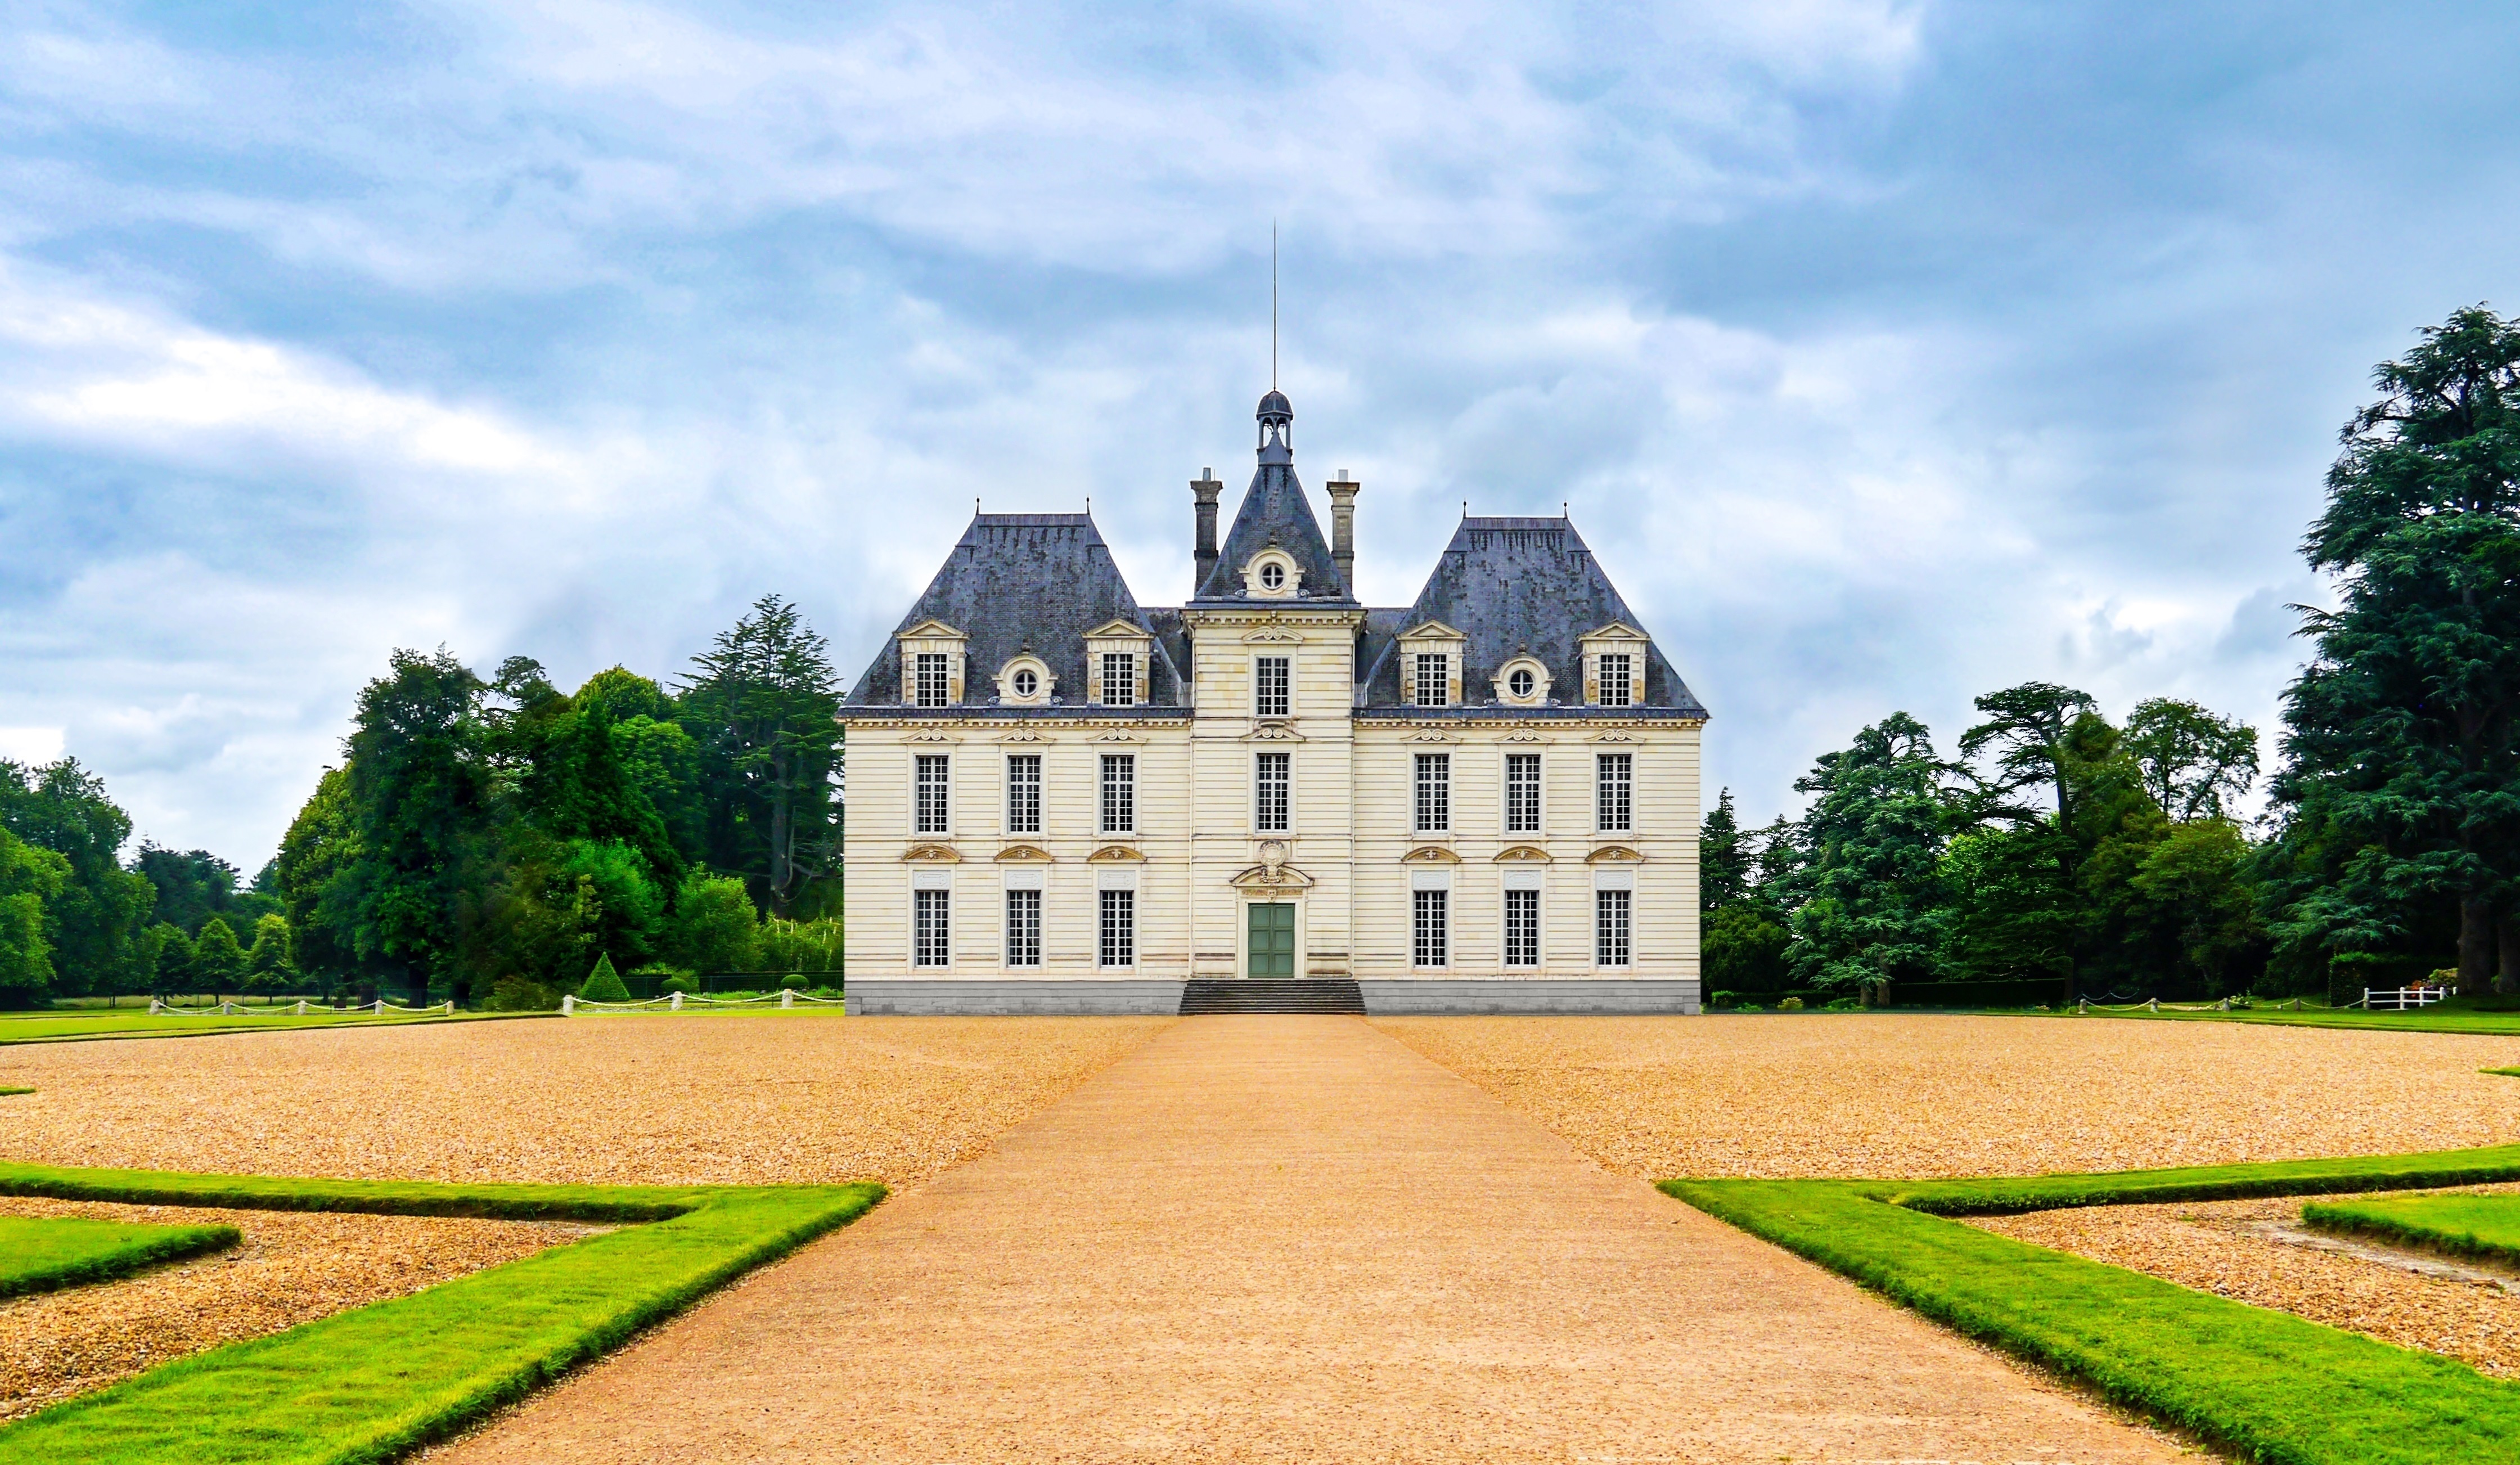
[1206, 996]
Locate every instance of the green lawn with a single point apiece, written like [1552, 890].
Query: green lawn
[376, 1382]
[44, 1254]
[137, 1021]
[2265, 1385]
[2468, 1226]
[2457, 1014]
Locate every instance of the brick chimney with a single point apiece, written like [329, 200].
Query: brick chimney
[1343, 492]
[1204, 491]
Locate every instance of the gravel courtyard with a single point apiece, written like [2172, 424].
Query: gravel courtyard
[628, 1101]
[1893, 1095]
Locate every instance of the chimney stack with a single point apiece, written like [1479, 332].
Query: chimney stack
[1204, 490]
[1343, 492]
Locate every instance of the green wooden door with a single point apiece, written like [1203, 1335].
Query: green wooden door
[1273, 941]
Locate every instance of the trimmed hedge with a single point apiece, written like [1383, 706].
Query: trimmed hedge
[373, 1384]
[46, 1253]
[2265, 1385]
[2039, 992]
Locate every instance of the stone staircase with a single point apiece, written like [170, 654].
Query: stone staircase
[1208, 996]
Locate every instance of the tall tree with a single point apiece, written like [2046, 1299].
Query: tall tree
[1872, 892]
[1723, 859]
[312, 875]
[30, 880]
[2400, 730]
[93, 926]
[420, 788]
[192, 886]
[2025, 731]
[2195, 764]
[763, 704]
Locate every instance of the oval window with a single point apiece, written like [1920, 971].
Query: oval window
[1521, 681]
[1026, 683]
[1273, 575]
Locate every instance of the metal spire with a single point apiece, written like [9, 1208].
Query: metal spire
[1273, 304]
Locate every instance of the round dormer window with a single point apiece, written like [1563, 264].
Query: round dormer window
[1273, 575]
[1026, 683]
[1520, 683]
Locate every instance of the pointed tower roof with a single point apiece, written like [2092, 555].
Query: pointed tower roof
[1275, 511]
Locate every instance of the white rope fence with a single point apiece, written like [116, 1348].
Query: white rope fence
[302, 1008]
[2157, 1005]
[786, 997]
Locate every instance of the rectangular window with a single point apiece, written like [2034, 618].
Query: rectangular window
[1272, 681]
[1610, 928]
[1434, 793]
[1272, 781]
[1023, 793]
[1120, 793]
[934, 790]
[1522, 928]
[1121, 678]
[1614, 785]
[1618, 679]
[1522, 793]
[1023, 927]
[933, 681]
[1432, 946]
[1119, 928]
[931, 928]
[1434, 679]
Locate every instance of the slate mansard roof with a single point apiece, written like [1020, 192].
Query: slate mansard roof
[1018, 582]
[1039, 583]
[1518, 587]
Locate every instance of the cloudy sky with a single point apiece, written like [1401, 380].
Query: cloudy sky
[1887, 352]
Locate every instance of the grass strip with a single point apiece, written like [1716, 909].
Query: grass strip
[2414, 1020]
[83, 1029]
[5, 1091]
[374, 1383]
[2265, 1385]
[45, 1254]
[2504, 1073]
[2469, 1226]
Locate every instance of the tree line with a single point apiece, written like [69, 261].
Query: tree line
[485, 840]
[2060, 844]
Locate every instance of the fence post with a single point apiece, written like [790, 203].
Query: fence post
[677, 1003]
[786, 997]
[568, 1004]
[450, 1007]
[156, 1007]
[2155, 1004]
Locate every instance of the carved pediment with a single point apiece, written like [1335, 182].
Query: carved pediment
[1023, 735]
[1272, 635]
[1432, 631]
[1023, 854]
[1615, 737]
[932, 854]
[1116, 735]
[1115, 854]
[1522, 855]
[1614, 854]
[1273, 878]
[1118, 630]
[1522, 736]
[1616, 630]
[1432, 735]
[1430, 854]
[1273, 732]
[932, 631]
[931, 736]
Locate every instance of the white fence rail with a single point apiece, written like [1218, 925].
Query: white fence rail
[300, 1008]
[2400, 999]
[570, 1005]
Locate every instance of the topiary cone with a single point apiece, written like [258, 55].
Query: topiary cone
[603, 985]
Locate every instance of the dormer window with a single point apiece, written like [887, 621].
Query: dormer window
[1522, 683]
[1433, 679]
[1618, 679]
[933, 657]
[935, 679]
[1273, 576]
[1119, 679]
[1027, 683]
[1614, 664]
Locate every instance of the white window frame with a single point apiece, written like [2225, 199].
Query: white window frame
[1539, 793]
[1261, 703]
[1020, 949]
[1605, 807]
[1430, 941]
[1115, 945]
[1614, 927]
[1126, 662]
[1440, 806]
[1125, 804]
[919, 826]
[1504, 923]
[1285, 822]
[1012, 824]
[1627, 680]
[941, 663]
[931, 938]
[1435, 667]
